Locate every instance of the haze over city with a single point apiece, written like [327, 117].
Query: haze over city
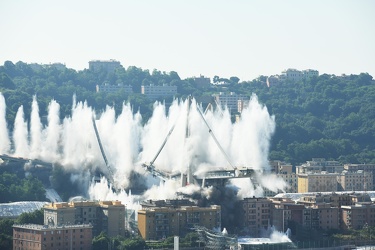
[242, 38]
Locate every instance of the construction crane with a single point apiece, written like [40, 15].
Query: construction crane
[110, 172]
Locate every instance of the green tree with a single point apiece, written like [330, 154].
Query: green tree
[100, 242]
[36, 217]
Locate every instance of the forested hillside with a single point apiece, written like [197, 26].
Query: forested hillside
[327, 116]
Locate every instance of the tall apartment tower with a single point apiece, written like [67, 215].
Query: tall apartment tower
[256, 215]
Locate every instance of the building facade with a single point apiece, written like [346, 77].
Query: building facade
[317, 182]
[107, 216]
[318, 165]
[355, 181]
[158, 91]
[40, 237]
[202, 81]
[256, 215]
[363, 167]
[229, 100]
[358, 215]
[155, 223]
[283, 211]
[109, 88]
[107, 65]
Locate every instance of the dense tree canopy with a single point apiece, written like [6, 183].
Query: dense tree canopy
[325, 116]
[13, 188]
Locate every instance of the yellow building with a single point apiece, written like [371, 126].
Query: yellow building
[155, 223]
[317, 182]
[107, 216]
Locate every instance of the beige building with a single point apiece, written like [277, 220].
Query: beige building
[107, 216]
[155, 223]
[355, 181]
[256, 215]
[40, 237]
[317, 182]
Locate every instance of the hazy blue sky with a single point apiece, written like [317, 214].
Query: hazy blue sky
[241, 38]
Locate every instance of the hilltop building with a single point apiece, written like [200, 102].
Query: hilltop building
[202, 81]
[107, 65]
[107, 216]
[231, 100]
[291, 75]
[40, 237]
[109, 88]
[158, 91]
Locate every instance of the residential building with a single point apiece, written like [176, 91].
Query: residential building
[333, 199]
[107, 65]
[318, 165]
[256, 215]
[202, 81]
[291, 180]
[357, 216]
[175, 203]
[158, 91]
[109, 88]
[155, 223]
[308, 73]
[40, 237]
[321, 216]
[317, 182]
[107, 216]
[355, 181]
[363, 167]
[297, 75]
[229, 100]
[293, 74]
[283, 212]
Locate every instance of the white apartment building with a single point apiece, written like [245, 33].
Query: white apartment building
[109, 88]
[230, 100]
[154, 91]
